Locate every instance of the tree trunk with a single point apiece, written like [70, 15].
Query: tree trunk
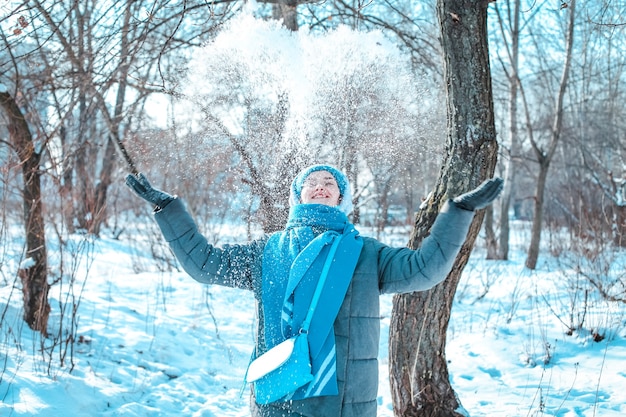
[490, 235]
[513, 151]
[108, 161]
[535, 238]
[287, 12]
[100, 192]
[34, 269]
[418, 368]
[619, 236]
[544, 158]
[505, 206]
[66, 188]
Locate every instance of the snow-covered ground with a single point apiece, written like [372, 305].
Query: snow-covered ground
[156, 343]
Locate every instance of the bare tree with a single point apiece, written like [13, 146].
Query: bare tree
[595, 152]
[544, 156]
[510, 20]
[34, 269]
[59, 57]
[268, 169]
[99, 62]
[418, 370]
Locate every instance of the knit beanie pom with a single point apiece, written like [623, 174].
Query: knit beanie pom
[342, 181]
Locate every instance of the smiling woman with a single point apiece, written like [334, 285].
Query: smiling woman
[320, 187]
[321, 184]
[318, 244]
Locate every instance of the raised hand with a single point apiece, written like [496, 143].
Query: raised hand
[481, 196]
[141, 186]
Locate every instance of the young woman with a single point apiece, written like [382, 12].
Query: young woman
[281, 271]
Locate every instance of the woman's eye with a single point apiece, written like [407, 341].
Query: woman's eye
[313, 184]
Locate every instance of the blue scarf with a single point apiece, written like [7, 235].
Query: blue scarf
[292, 263]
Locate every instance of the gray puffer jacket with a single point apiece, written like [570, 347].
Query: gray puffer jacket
[380, 269]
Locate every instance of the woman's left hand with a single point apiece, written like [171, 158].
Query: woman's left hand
[481, 196]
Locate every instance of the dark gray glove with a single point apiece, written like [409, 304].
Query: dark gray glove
[481, 196]
[140, 185]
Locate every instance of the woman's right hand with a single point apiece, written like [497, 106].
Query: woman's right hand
[141, 186]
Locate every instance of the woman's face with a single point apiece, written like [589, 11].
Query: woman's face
[320, 187]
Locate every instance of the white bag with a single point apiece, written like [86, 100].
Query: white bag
[270, 360]
[279, 372]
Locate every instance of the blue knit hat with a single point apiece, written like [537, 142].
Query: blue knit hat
[342, 181]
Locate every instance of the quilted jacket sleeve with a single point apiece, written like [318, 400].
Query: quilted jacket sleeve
[403, 270]
[237, 266]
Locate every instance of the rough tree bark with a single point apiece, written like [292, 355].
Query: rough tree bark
[419, 375]
[287, 12]
[34, 269]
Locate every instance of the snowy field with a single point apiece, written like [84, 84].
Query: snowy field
[155, 343]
